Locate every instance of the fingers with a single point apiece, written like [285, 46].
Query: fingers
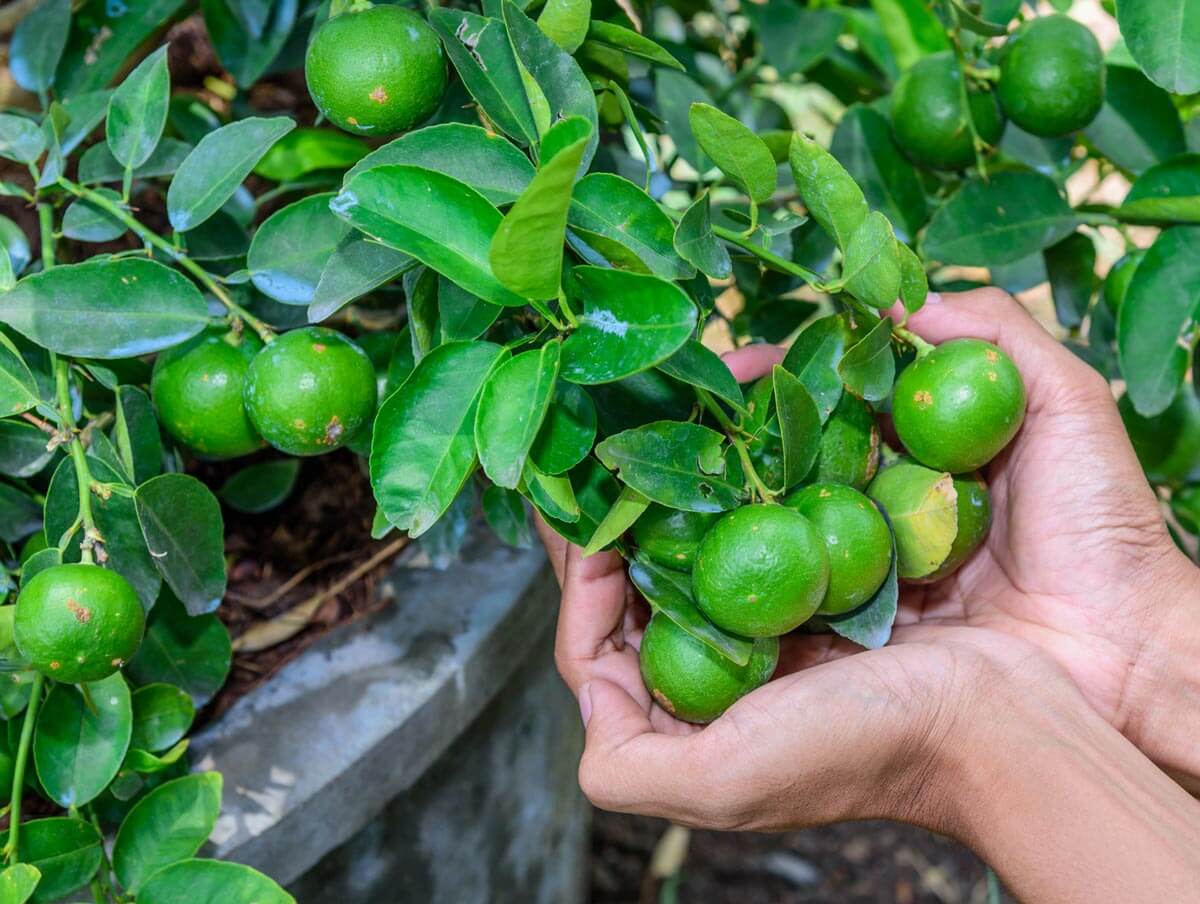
[592, 612]
[753, 361]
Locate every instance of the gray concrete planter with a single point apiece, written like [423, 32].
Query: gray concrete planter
[427, 753]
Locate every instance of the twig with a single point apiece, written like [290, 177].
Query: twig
[290, 584]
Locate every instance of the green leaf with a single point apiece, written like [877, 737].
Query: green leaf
[211, 882]
[67, 851]
[830, 193]
[799, 426]
[89, 64]
[670, 593]
[480, 50]
[871, 267]
[191, 652]
[249, 52]
[697, 365]
[696, 244]
[607, 210]
[136, 434]
[678, 465]
[462, 316]
[863, 143]
[567, 432]
[105, 308]
[13, 238]
[628, 41]
[23, 451]
[162, 715]
[1071, 268]
[308, 150]
[86, 111]
[20, 138]
[423, 448]
[1166, 192]
[870, 625]
[442, 222]
[86, 222]
[674, 93]
[181, 521]
[99, 165]
[37, 44]
[356, 267]
[526, 250]
[626, 510]
[137, 111]
[914, 284]
[814, 358]
[212, 172]
[291, 248]
[512, 407]
[566, 22]
[20, 515]
[794, 38]
[504, 511]
[260, 487]
[554, 496]
[80, 742]
[735, 149]
[483, 160]
[911, 28]
[868, 367]
[1138, 126]
[166, 826]
[1010, 216]
[18, 882]
[145, 763]
[1164, 37]
[630, 322]
[18, 389]
[1157, 312]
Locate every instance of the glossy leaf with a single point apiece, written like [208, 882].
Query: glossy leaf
[483, 160]
[99, 165]
[696, 244]
[166, 826]
[868, 367]
[89, 65]
[1166, 192]
[735, 149]
[912, 29]
[914, 284]
[697, 365]
[18, 882]
[423, 447]
[566, 22]
[20, 138]
[670, 593]
[675, 93]
[1138, 126]
[67, 852]
[212, 172]
[830, 193]
[679, 465]
[505, 514]
[552, 495]
[37, 44]
[630, 322]
[607, 209]
[356, 267]
[191, 652]
[85, 112]
[291, 248]
[248, 53]
[136, 434]
[1011, 215]
[211, 882]
[1158, 310]
[137, 111]
[181, 521]
[631, 42]
[260, 487]
[23, 449]
[871, 266]
[86, 222]
[81, 741]
[18, 389]
[309, 150]
[526, 250]
[799, 426]
[794, 38]
[567, 432]
[814, 358]
[1164, 37]
[512, 407]
[624, 512]
[1071, 268]
[863, 144]
[440, 221]
[162, 715]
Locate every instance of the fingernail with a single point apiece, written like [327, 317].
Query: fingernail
[933, 298]
[585, 703]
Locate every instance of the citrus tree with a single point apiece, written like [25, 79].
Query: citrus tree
[556, 211]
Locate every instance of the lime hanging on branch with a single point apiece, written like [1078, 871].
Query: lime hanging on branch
[376, 71]
[669, 537]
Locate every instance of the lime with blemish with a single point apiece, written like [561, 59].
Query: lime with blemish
[198, 389]
[856, 537]
[974, 514]
[376, 72]
[761, 571]
[78, 623]
[958, 406]
[310, 390]
[691, 680]
[669, 537]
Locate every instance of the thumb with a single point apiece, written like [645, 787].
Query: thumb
[611, 715]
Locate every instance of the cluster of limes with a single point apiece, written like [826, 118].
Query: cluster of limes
[764, 569]
[1050, 83]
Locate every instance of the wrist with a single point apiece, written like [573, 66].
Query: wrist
[1160, 706]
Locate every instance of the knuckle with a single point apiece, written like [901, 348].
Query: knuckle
[593, 783]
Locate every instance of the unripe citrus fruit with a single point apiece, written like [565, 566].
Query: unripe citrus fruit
[929, 116]
[974, 513]
[957, 407]
[1051, 76]
[1168, 444]
[1116, 284]
[857, 538]
[761, 571]
[198, 390]
[691, 680]
[669, 537]
[78, 623]
[849, 445]
[310, 390]
[376, 72]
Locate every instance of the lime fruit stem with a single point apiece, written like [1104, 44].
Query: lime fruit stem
[83, 475]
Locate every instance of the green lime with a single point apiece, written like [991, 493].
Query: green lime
[310, 390]
[957, 407]
[1116, 284]
[849, 445]
[857, 538]
[1051, 76]
[974, 512]
[929, 114]
[376, 72]
[35, 544]
[670, 537]
[78, 623]
[198, 390]
[761, 571]
[690, 679]
[1168, 444]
